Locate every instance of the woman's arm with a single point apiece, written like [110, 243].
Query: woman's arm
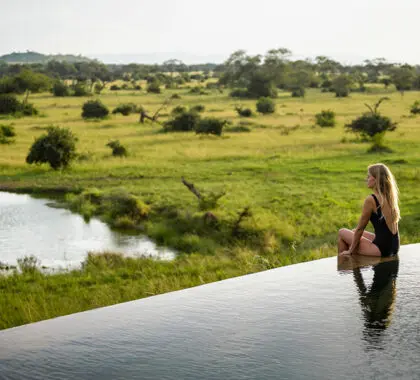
[363, 221]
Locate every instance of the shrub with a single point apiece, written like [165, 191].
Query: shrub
[9, 104]
[175, 96]
[7, 132]
[115, 87]
[198, 91]
[265, 106]
[244, 112]
[198, 108]
[239, 93]
[415, 108]
[137, 87]
[210, 125]
[60, 89]
[80, 89]
[178, 110]
[98, 87]
[298, 92]
[326, 118]
[28, 109]
[57, 148]
[118, 150]
[94, 109]
[261, 85]
[372, 123]
[185, 121]
[154, 87]
[126, 109]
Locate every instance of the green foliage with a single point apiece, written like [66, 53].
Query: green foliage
[182, 122]
[266, 106]
[81, 89]
[126, 109]
[9, 104]
[198, 108]
[326, 118]
[370, 124]
[298, 92]
[118, 150]
[198, 90]
[261, 85]
[179, 110]
[115, 87]
[154, 87]
[57, 148]
[60, 89]
[415, 108]
[25, 80]
[341, 86]
[403, 77]
[7, 132]
[210, 125]
[94, 109]
[244, 112]
[239, 93]
[98, 87]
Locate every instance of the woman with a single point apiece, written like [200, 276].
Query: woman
[381, 208]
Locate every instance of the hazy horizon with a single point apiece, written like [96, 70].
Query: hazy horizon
[200, 32]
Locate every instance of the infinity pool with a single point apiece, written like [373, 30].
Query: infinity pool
[344, 318]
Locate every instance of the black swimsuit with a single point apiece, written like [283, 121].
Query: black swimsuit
[387, 242]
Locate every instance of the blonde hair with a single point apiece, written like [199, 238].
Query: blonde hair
[387, 188]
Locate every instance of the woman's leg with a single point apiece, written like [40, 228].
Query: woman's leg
[366, 247]
[368, 235]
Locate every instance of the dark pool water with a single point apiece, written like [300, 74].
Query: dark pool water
[59, 238]
[327, 319]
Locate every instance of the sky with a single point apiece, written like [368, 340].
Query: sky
[203, 31]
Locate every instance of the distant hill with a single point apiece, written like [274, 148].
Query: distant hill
[34, 57]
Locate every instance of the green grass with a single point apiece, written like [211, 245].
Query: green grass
[302, 183]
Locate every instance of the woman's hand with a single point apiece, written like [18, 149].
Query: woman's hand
[348, 252]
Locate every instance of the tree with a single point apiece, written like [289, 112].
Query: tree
[372, 125]
[403, 77]
[265, 106]
[261, 85]
[341, 86]
[57, 148]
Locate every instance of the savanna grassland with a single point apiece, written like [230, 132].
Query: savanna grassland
[300, 183]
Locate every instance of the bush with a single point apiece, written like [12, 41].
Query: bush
[7, 132]
[261, 85]
[298, 92]
[198, 91]
[370, 124]
[265, 106]
[126, 109]
[326, 118]
[60, 89]
[80, 89]
[114, 87]
[57, 148]
[118, 150]
[94, 109]
[9, 104]
[244, 112]
[198, 108]
[210, 125]
[415, 108]
[178, 110]
[239, 93]
[154, 87]
[185, 121]
[175, 96]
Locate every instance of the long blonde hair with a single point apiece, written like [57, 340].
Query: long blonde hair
[387, 188]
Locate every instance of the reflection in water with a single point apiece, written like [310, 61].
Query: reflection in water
[378, 301]
[59, 238]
